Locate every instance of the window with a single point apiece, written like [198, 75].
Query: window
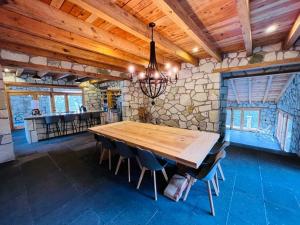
[75, 101]
[20, 108]
[284, 130]
[236, 119]
[228, 118]
[251, 118]
[48, 98]
[60, 103]
[243, 119]
[44, 104]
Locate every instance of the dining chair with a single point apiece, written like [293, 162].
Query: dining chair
[99, 140]
[151, 162]
[107, 145]
[219, 146]
[206, 172]
[125, 152]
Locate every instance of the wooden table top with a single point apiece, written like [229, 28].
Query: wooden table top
[184, 146]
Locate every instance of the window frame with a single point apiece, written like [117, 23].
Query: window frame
[242, 109]
[35, 95]
[282, 127]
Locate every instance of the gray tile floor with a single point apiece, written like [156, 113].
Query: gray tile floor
[62, 183]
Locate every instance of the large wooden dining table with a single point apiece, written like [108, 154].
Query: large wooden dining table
[188, 147]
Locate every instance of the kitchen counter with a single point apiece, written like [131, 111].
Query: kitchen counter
[35, 126]
[57, 114]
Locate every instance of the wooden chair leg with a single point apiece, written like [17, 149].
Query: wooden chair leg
[118, 165]
[212, 209]
[154, 181]
[221, 172]
[215, 186]
[128, 161]
[165, 174]
[141, 177]
[102, 155]
[188, 188]
[217, 183]
[139, 162]
[109, 159]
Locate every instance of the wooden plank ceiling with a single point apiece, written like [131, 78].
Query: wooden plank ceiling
[114, 34]
[258, 88]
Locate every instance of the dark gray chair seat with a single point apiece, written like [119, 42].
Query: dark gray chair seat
[52, 120]
[69, 119]
[125, 152]
[151, 162]
[208, 173]
[107, 145]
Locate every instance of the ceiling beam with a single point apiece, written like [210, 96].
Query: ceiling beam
[62, 76]
[283, 62]
[243, 9]
[250, 89]
[293, 35]
[55, 56]
[268, 87]
[234, 90]
[179, 16]
[22, 23]
[49, 45]
[57, 3]
[57, 25]
[42, 73]
[91, 18]
[117, 16]
[287, 84]
[53, 69]
[19, 72]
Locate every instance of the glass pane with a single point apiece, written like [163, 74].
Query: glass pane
[228, 118]
[236, 119]
[288, 135]
[44, 104]
[20, 107]
[60, 103]
[251, 118]
[75, 101]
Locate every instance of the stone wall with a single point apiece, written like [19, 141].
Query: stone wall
[198, 100]
[40, 60]
[92, 93]
[268, 113]
[6, 144]
[290, 103]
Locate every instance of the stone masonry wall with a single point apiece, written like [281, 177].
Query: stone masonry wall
[290, 103]
[268, 114]
[93, 95]
[6, 144]
[198, 100]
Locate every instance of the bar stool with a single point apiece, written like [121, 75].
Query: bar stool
[95, 118]
[69, 120]
[84, 121]
[52, 120]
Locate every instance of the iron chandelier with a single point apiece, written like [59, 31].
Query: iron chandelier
[152, 81]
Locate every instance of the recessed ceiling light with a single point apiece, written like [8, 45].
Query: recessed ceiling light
[271, 28]
[195, 49]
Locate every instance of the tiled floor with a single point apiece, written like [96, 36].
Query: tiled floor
[247, 138]
[67, 186]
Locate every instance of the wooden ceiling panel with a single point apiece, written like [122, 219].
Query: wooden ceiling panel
[218, 20]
